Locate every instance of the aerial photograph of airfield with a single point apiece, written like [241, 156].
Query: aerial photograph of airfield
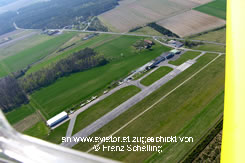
[132, 68]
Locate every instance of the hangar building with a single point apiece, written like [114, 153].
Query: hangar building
[57, 119]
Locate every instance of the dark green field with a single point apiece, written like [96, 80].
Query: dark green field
[103, 107]
[173, 114]
[67, 91]
[216, 8]
[156, 75]
[185, 57]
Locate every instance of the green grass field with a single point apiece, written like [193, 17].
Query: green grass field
[217, 36]
[41, 131]
[55, 136]
[19, 114]
[171, 115]
[73, 89]
[211, 47]
[185, 57]
[34, 54]
[199, 123]
[101, 108]
[216, 8]
[156, 75]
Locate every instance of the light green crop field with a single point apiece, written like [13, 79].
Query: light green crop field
[19, 46]
[170, 116]
[73, 89]
[211, 47]
[216, 36]
[185, 57]
[41, 131]
[34, 54]
[216, 8]
[88, 43]
[19, 114]
[101, 108]
[156, 75]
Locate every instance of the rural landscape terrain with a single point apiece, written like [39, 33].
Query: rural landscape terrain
[116, 68]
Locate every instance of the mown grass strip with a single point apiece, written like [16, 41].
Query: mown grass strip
[156, 75]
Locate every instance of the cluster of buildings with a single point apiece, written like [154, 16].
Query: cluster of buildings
[148, 44]
[163, 57]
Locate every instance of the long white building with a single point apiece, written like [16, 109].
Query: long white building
[57, 119]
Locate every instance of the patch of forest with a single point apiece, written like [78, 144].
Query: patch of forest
[54, 14]
[13, 91]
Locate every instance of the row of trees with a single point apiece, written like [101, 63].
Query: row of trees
[77, 62]
[11, 94]
[162, 30]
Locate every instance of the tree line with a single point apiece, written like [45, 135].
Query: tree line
[11, 94]
[162, 30]
[13, 91]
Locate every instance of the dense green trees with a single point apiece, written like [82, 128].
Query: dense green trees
[11, 94]
[54, 14]
[60, 13]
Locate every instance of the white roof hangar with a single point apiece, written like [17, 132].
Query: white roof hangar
[57, 119]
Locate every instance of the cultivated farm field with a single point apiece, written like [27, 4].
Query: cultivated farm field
[191, 22]
[132, 13]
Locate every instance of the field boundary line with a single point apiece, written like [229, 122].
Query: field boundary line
[139, 115]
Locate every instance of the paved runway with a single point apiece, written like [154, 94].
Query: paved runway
[90, 129]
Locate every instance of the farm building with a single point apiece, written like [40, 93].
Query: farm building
[176, 44]
[57, 119]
